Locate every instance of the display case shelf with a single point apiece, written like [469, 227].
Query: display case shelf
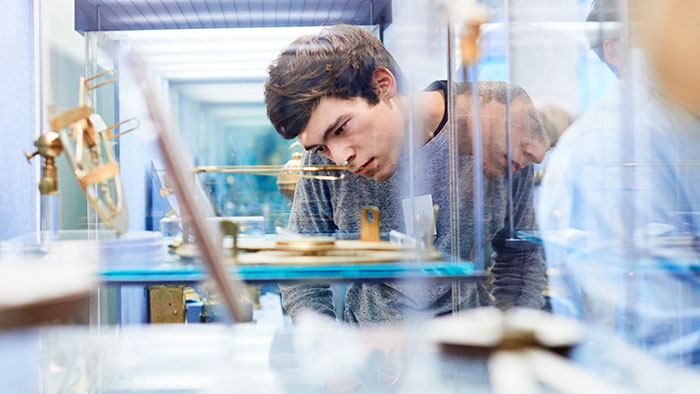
[194, 273]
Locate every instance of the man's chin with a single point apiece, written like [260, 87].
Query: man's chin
[494, 175]
[381, 174]
[381, 179]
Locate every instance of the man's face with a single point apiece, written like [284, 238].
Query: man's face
[525, 148]
[368, 137]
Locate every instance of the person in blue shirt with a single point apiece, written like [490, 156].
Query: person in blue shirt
[619, 208]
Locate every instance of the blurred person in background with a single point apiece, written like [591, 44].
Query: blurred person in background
[619, 204]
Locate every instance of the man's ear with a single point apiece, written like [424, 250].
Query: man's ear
[384, 81]
[613, 53]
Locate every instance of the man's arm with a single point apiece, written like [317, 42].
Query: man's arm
[519, 271]
[312, 213]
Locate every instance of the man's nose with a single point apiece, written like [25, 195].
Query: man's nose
[539, 156]
[536, 152]
[343, 154]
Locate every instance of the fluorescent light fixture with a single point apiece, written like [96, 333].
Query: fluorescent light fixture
[211, 54]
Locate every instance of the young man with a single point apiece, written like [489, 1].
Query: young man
[343, 95]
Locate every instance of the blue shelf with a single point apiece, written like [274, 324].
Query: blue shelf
[109, 15]
[464, 271]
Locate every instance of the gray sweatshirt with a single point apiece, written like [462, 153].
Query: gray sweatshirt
[333, 208]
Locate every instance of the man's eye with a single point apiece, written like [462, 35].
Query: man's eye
[340, 129]
[320, 149]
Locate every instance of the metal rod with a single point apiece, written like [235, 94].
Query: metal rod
[410, 134]
[91, 55]
[627, 153]
[263, 169]
[453, 157]
[511, 229]
[478, 175]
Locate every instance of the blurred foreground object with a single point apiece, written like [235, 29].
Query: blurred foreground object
[490, 329]
[524, 349]
[53, 289]
[673, 39]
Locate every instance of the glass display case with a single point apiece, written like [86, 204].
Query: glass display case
[458, 154]
[210, 79]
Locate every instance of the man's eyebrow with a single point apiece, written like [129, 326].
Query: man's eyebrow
[538, 129]
[534, 116]
[329, 130]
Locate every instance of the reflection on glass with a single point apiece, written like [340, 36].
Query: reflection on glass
[353, 104]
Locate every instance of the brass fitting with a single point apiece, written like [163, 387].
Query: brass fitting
[48, 146]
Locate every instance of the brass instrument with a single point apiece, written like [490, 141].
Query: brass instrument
[274, 170]
[85, 139]
[324, 250]
[287, 175]
[319, 250]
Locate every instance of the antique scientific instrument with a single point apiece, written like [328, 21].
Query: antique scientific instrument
[326, 250]
[287, 175]
[87, 142]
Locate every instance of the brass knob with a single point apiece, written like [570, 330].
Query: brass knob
[30, 156]
[298, 153]
[49, 144]
[48, 185]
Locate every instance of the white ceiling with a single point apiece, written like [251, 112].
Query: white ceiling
[213, 65]
[223, 92]
[211, 54]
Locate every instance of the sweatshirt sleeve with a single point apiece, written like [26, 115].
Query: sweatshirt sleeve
[312, 213]
[518, 269]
